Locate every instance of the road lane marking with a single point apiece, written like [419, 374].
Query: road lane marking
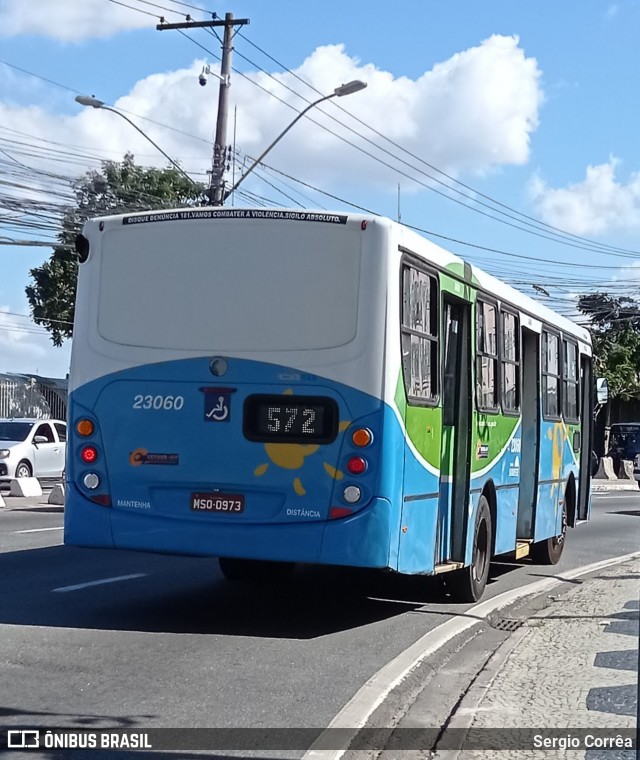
[38, 530]
[372, 694]
[101, 582]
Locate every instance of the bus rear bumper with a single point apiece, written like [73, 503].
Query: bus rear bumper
[364, 539]
[86, 523]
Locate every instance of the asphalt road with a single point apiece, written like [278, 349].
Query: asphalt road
[164, 641]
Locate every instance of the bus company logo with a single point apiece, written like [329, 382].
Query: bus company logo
[142, 456]
[23, 739]
[217, 404]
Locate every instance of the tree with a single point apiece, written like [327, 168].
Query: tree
[615, 329]
[117, 188]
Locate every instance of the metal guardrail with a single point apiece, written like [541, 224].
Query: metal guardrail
[38, 397]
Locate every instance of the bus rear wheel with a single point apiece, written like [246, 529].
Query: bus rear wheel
[254, 571]
[549, 551]
[468, 584]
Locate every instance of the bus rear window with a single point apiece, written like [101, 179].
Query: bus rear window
[289, 286]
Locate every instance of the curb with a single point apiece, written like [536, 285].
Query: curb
[374, 692]
[604, 487]
[464, 714]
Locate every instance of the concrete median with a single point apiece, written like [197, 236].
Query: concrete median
[25, 487]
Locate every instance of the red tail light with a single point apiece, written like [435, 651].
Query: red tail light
[89, 454]
[336, 512]
[103, 499]
[357, 465]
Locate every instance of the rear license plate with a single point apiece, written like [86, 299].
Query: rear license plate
[228, 503]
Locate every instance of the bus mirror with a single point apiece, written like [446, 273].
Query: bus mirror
[602, 390]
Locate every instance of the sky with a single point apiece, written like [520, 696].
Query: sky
[507, 132]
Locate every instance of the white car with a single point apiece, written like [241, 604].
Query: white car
[30, 447]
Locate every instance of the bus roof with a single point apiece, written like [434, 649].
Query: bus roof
[492, 285]
[415, 242]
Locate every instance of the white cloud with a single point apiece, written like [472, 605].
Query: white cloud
[480, 107]
[598, 204]
[473, 112]
[25, 347]
[69, 20]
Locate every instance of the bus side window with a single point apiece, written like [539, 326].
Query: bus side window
[510, 360]
[487, 357]
[570, 382]
[419, 335]
[550, 375]
[451, 363]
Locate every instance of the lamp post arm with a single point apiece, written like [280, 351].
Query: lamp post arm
[155, 145]
[275, 142]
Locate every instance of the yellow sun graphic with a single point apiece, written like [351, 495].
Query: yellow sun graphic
[291, 456]
[558, 439]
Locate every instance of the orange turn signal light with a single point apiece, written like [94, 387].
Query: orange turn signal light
[85, 427]
[362, 437]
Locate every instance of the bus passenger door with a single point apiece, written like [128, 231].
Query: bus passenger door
[455, 465]
[586, 436]
[530, 444]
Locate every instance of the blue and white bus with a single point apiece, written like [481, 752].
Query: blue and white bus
[273, 387]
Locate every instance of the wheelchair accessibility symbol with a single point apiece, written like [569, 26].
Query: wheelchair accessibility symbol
[220, 411]
[217, 404]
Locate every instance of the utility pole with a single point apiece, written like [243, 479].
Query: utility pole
[216, 188]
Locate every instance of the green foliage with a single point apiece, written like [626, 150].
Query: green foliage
[118, 188]
[615, 329]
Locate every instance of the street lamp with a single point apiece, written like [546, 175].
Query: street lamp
[89, 100]
[345, 89]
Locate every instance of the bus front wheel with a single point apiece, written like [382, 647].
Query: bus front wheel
[468, 584]
[254, 571]
[549, 551]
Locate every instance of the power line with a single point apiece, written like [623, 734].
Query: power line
[435, 234]
[485, 248]
[600, 247]
[155, 5]
[132, 8]
[194, 7]
[536, 223]
[27, 316]
[131, 113]
[38, 76]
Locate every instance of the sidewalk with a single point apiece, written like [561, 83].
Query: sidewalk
[571, 666]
